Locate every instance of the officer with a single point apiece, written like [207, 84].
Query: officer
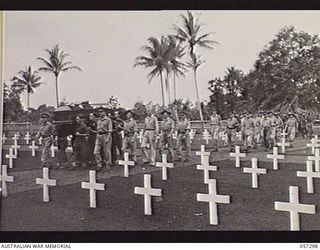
[46, 131]
[166, 129]
[291, 128]
[102, 149]
[92, 127]
[150, 131]
[215, 121]
[130, 133]
[232, 126]
[81, 144]
[117, 125]
[183, 139]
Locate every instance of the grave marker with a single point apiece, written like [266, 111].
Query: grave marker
[15, 148]
[255, 171]
[206, 136]
[4, 178]
[126, 163]
[237, 155]
[203, 153]
[11, 156]
[164, 165]
[46, 182]
[316, 159]
[53, 149]
[93, 186]
[4, 138]
[310, 175]
[27, 138]
[140, 136]
[283, 145]
[314, 144]
[33, 147]
[275, 158]
[206, 168]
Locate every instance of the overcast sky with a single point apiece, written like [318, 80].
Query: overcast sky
[105, 43]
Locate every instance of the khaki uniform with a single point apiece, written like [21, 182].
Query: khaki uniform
[183, 139]
[215, 129]
[248, 129]
[150, 129]
[257, 134]
[232, 124]
[166, 128]
[279, 127]
[129, 140]
[81, 144]
[291, 125]
[46, 132]
[267, 130]
[103, 141]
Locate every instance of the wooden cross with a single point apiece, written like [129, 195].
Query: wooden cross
[4, 138]
[310, 175]
[147, 191]
[255, 171]
[275, 157]
[140, 136]
[283, 144]
[316, 159]
[237, 155]
[46, 182]
[4, 178]
[206, 136]
[283, 134]
[40, 140]
[213, 198]
[239, 135]
[294, 207]
[93, 186]
[15, 148]
[53, 149]
[164, 165]
[11, 156]
[15, 138]
[206, 168]
[314, 144]
[33, 147]
[126, 163]
[224, 138]
[202, 153]
[27, 138]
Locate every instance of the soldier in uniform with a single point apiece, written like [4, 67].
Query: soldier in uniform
[248, 129]
[150, 131]
[130, 133]
[166, 129]
[215, 121]
[291, 128]
[266, 124]
[92, 127]
[183, 139]
[102, 149]
[257, 129]
[47, 131]
[279, 126]
[81, 144]
[232, 126]
[117, 125]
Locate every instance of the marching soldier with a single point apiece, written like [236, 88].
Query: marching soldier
[183, 140]
[215, 121]
[129, 140]
[46, 131]
[92, 127]
[166, 129]
[279, 126]
[257, 120]
[248, 129]
[266, 124]
[291, 128]
[81, 142]
[117, 125]
[150, 131]
[102, 149]
[232, 125]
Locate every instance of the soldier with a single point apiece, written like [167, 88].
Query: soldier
[257, 129]
[232, 126]
[130, 134]
[150, 131]
[62, 143]
[266, 124]
[166, 129]
[46, 131]
[248, 129]
[279, 127]
[81, 142]
[183, 139]
[102, 149]
[92, 127]
[303, 125]
[117, 125]
[291, 128]
[215, 121]
[309, 126]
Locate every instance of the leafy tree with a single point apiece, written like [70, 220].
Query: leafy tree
[12, 107]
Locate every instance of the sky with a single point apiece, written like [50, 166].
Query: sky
[105, 44]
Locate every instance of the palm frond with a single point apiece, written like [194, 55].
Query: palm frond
[71, 68]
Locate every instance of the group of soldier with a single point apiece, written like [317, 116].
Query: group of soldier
[104, 138]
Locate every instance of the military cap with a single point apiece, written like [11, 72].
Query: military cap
[129, 111]
[165, 111]
[44, 115]
[101, 109]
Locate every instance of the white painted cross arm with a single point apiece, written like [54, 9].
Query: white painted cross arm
[275, 157]
[126, 163]
[206, 168]
[316, 159]
[11, 156]
[53, 149]
[255, 171]
[46, 182]
[206, 136]
[33, 147]
[93, 186]
[4, 178]
[314, 144]
[164, 165]
[309, 174]
[27, 138]
[4, 138]
[283, 144]
[202, 153]
[237, 155]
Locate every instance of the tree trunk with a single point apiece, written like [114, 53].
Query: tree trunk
[198, 98]
[57, 92]
[174, 87]
[28, 100]
[168, 87]
[162, 89]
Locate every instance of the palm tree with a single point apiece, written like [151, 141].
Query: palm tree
[156, 60]
[57, 64]
[28, 81]
[189, 33]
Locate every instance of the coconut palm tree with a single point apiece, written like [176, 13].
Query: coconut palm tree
[27, 81]
[57, 64]
[157, 60]
[189, 33]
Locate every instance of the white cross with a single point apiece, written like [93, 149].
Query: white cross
[15, 148]
[4, 178]
[122, 134]
[310, 175]
[283, 134]
[237, 155]
[255, 171]
[53, 149]
[46, 182]
[27, 138]
[213, 198]
[202, 153]
[239, 135]
[316, 159]
[11, 156]
[4, 138]
[15, 138]
[140, 136]
[206, 168]
[224, 138]
[40, 140]
[275, 158]
[164, 165]
[314, 144]
[147, 191]
[175, 135]
[69, 149]
[69, 139]
[126, 163]
[294, 207]
[93, 186]
[33, 147]
[206, 136]
[283, 144]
